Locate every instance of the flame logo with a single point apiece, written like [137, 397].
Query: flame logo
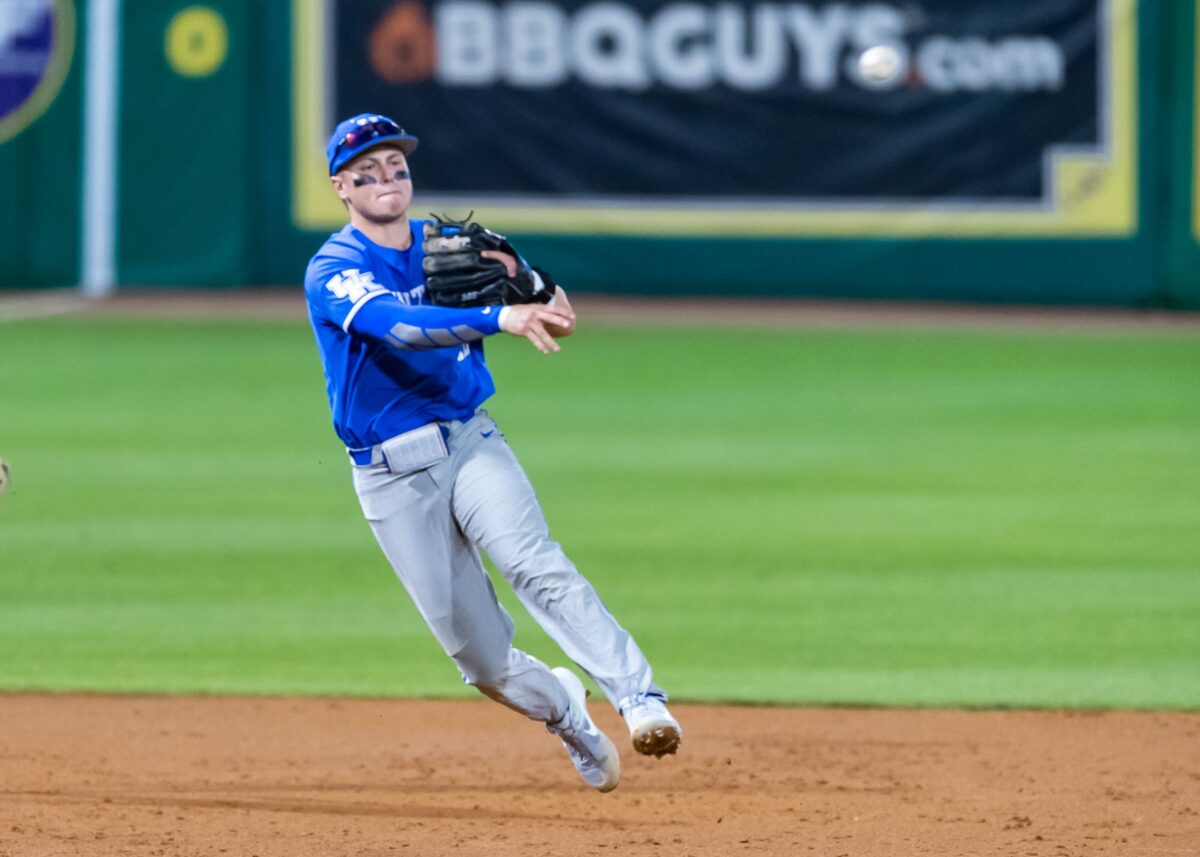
[403, 46]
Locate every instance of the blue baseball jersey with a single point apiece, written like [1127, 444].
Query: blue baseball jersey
[392, 362]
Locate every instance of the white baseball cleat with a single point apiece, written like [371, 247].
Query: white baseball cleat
[651, 727]
[594, 756]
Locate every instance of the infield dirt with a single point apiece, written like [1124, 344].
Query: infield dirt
[102, 775]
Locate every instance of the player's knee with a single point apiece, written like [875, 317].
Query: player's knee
[549, 586]
[514, 554]
[540, 568]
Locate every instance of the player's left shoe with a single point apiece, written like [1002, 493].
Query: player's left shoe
[652, 728]
[594, 756]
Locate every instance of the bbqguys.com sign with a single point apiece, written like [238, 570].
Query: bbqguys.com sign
[694, 46]
[725, 106]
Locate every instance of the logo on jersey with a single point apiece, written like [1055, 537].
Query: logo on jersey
[353, 285]
[412, 297]
[37, 40]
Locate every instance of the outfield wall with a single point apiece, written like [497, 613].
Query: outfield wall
[1030, 155]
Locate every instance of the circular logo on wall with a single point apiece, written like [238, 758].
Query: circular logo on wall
[37, 40]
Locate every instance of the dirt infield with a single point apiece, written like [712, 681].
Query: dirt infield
[100, 775]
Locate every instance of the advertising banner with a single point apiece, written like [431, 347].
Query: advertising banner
[37, 39]
[1010, 118]
[40, 142]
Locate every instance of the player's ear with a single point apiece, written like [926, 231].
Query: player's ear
[338, 183]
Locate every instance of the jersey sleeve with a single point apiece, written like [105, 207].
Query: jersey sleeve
[336, 293]
[420, 328]
[351, 299]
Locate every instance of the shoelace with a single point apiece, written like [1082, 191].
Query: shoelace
[572, 738]
[629, 703]
[567, 728]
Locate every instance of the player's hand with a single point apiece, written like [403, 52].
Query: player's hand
[535, 321]
[510, 262]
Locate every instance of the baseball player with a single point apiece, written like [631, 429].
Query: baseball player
[435, 477]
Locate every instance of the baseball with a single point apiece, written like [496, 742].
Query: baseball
[3, 476]
[880, 64]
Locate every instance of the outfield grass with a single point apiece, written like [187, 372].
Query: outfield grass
[878, 517]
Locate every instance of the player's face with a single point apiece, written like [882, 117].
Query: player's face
[376, 185]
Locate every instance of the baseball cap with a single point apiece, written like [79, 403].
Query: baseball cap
[365, 131]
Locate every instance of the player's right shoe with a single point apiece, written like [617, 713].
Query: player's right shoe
[652, 729]
[593, 755]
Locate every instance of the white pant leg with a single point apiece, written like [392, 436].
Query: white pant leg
[412, 521]
[499, 511]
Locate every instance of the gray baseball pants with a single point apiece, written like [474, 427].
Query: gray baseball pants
[433, 522]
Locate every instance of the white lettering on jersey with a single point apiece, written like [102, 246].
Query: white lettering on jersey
[353, 285]
[412, 296]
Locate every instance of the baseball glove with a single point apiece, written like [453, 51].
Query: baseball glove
[458, 275]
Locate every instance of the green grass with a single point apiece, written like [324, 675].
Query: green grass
[875, 517]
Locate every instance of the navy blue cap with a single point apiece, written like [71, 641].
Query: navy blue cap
[363, 132]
